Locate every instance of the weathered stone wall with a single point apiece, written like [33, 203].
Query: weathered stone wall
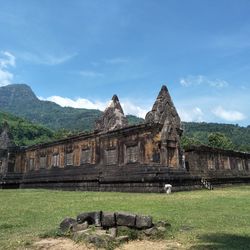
[218, 165]
[128, 159]
[3, 161]
[116, 157]
[138, 144]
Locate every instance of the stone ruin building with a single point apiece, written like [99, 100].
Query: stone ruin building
[118, 157]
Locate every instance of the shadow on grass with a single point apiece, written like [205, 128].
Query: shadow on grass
[222, 241]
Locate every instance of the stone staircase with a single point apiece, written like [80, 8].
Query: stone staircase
[206, 184]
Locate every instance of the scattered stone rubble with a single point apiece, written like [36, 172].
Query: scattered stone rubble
[111, 228]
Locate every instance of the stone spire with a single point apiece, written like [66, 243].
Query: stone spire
[164, 112]
[113, 117]
[163, 109]
[6, 139]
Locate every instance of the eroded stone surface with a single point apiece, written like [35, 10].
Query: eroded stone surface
[163, 109]
[80, 227]
[143, 221]
[113, 117]
[108, 219]
[113, 232]
[81, 234]
[122, 239]
[97, 240]
[125, 219]
[90, 217]
[67, 224]
[125, 226]
[151, 231]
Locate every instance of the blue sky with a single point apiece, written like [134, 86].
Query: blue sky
[79, 53]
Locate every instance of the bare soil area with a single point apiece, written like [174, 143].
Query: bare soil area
[67, 244]
[151, 245]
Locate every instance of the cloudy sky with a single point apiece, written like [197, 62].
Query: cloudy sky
[79, 53]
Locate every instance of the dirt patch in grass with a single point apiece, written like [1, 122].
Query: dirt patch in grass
[59, 244]
[67, 244]
[151, 245]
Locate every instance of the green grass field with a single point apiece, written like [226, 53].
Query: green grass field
[218, 219]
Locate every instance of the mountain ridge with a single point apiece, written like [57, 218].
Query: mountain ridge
[20, 100]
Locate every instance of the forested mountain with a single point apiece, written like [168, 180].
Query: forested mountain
[19, 99]
[198, 133]
[25, 132]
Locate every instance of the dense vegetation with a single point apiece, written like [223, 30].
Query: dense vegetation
[227, 136]
[25, 132]
[217, 219]
[19, 99]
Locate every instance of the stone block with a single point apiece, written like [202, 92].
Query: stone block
[122, 239]
[97, 240]
[67, 224]
[143, 221]
[125, 219]
[151, 231]
[93, 218]
[80, 227]
[108, 219]
[100, 241]
[81, 234]
[113, 232]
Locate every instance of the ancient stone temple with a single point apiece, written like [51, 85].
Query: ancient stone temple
[117, 157]
[113, 117]
[8, 151]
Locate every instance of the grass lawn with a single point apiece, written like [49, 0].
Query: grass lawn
[218, 219]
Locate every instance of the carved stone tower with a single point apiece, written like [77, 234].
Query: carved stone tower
[164, 113]
[113, 117]
[6, 139]
[6, 147]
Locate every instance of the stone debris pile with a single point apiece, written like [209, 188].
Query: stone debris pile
[105, 228]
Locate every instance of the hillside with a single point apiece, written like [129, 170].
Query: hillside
[19, 99]
[199, 132]
[25, 132]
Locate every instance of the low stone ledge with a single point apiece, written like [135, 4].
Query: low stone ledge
[67, 224]
[79, 227]
[105, 228]
[125, 219]
[93, 218]
[143, 221]
[108, 219]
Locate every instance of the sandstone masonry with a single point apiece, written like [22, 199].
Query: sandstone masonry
[118, 157]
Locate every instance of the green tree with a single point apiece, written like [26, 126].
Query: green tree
[189, 141]
[219, 140]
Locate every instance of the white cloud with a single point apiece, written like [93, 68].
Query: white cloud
[46, 59]
[6, 60]
[228, 115]
[128, 106]
[90, 73]
[191, 115]
[5, 77]
[203, 80]
[77, 103]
